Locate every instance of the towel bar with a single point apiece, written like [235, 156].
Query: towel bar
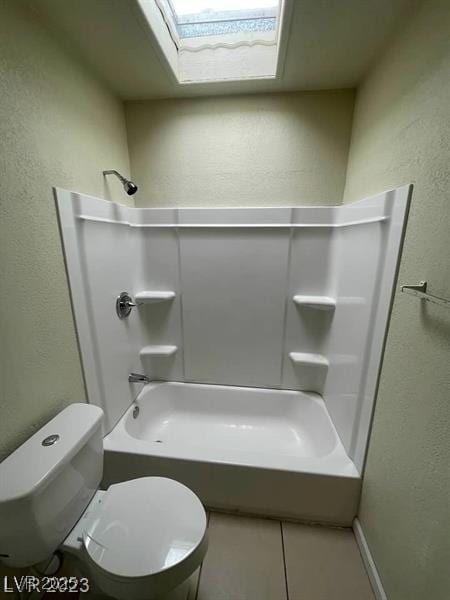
[421, 292]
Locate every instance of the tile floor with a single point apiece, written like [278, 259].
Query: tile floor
[261, 559]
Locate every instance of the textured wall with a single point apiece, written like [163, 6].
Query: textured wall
[267, 150]
[401, 134]
[58, 126]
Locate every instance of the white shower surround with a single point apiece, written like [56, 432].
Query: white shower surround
[232, 319]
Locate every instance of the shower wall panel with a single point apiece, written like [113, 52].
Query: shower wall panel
[234, 288]
[307, 328]
[356, 264]
[100, 259]
[159, 323]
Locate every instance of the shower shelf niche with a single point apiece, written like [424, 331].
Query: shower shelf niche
[148, 297]
[318, 302]
[157, 351]
[307, 359]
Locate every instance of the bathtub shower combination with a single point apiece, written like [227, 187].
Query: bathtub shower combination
[260, 331]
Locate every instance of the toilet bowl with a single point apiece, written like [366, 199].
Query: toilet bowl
[138, 540]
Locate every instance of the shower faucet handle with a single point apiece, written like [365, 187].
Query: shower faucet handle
[124, 304]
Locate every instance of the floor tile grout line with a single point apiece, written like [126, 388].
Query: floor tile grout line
[284, 561]
[198, 581]
[208, 515]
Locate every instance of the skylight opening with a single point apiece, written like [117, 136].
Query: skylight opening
[219, 17]
[217, 40]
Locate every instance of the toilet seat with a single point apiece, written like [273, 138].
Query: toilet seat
[144, 534]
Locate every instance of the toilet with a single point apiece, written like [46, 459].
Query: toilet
[138, 540]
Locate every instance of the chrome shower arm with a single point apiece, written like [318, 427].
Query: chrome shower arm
[116, 173]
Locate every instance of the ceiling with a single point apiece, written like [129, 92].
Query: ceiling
[330, 45]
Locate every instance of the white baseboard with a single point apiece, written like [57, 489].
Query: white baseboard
[369, 563]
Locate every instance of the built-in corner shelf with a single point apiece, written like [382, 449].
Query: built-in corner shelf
[152, 297]
[307, 359]
[319, 302]
[157, 351]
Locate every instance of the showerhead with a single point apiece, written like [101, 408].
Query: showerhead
[130, 187]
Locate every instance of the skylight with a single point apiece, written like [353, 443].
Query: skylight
[217, 40]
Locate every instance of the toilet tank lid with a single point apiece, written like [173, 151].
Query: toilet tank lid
[43, 455]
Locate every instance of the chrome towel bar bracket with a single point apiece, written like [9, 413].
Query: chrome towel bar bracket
[420, 291]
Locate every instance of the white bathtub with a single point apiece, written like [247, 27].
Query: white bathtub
[260, 451]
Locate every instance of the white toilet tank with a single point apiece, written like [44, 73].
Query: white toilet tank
[46, 484]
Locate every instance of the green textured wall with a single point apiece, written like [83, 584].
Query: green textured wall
[259, 150]
[58, 126]
[401, 134]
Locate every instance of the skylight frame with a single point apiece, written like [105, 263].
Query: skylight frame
[172, 47]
